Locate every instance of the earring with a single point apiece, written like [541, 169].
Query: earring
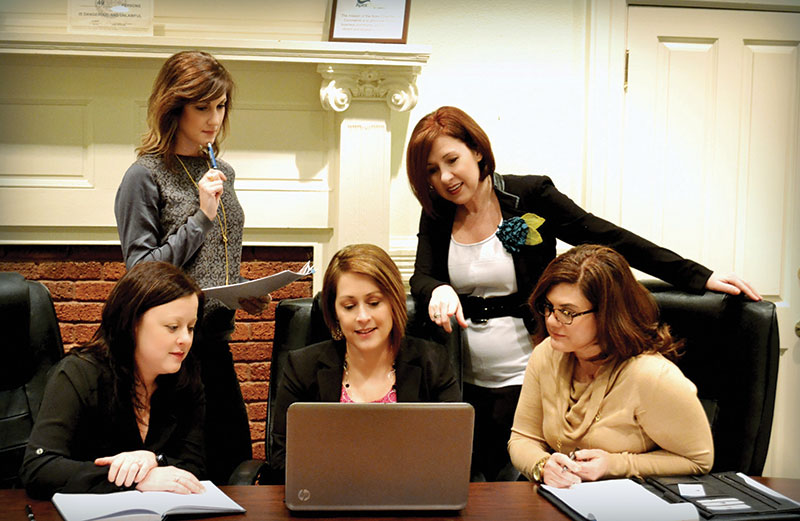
[336, 333]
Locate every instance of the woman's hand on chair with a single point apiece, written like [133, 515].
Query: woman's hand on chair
[732, 285]
[444, 304]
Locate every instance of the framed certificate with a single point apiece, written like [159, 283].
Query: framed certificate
[378, 21]
[110, 16]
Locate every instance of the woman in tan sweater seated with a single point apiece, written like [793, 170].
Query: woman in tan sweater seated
[600, 398]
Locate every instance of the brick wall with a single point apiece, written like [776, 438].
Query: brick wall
[81, 277]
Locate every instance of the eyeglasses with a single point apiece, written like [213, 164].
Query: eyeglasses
[563, 316]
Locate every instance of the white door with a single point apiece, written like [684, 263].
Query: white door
[711, 162]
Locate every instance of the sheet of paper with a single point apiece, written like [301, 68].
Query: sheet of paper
[621, 500]
[230, 295]
[691, 490]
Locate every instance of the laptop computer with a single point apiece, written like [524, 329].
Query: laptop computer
[367, 456]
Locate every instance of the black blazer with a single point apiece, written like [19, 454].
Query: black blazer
[78, 422]
[564, 220]
[314, 374]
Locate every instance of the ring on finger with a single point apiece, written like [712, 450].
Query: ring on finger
[436, 315]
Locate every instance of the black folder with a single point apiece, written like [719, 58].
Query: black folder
[761, 502]
[751, 500]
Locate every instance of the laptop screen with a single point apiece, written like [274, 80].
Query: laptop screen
[366, 456]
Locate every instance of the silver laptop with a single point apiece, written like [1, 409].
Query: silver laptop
[366, 456]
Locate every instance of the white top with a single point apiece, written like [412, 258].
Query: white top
[497, 350]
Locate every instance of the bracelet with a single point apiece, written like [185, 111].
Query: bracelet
[538, 468]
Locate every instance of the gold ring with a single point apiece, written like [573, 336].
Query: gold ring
[436, 315]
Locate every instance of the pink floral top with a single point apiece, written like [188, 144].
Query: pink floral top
[390, 397]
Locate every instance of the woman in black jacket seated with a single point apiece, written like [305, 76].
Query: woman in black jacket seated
[369, 359]
[126, 410]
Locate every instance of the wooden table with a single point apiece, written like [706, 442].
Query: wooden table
[487, 501]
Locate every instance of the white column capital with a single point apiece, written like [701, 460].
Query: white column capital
[341, 84]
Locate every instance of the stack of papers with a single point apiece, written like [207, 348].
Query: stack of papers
[231, 294]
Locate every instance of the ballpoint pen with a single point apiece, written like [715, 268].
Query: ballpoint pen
[29, 511]
[571, 457]
[211, 155]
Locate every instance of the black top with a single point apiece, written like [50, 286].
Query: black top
[314, 374]
[563, 220]
[77, 423]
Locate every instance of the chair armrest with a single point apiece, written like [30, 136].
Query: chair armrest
[247, 472]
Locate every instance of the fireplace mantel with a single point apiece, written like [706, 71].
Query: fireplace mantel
[224, 49]
[312, 169]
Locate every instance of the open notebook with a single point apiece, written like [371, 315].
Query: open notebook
[363, 456]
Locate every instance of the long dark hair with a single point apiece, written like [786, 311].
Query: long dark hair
[145, 286]
[627, 315]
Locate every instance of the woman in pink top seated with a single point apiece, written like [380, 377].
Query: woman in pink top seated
[601, 397]
[369, 359]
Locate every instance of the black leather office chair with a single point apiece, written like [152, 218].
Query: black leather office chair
[299, 322]
[30, 346]
[731, 355]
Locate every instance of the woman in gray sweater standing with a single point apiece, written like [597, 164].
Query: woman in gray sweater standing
[176, 203]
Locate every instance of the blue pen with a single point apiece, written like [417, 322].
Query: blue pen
[211, 155]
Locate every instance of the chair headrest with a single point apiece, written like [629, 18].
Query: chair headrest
[18, 358]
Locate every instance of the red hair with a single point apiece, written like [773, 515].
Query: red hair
[444, 121]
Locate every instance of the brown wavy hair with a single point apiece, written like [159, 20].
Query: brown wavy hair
[444, 121]
[375, 263]
[626, 314]
[186, 77]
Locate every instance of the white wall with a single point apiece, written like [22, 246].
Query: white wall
[518, 68]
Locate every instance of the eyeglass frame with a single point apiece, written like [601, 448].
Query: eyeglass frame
[546, 309]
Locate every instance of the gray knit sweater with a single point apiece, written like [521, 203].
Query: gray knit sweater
[159, 218]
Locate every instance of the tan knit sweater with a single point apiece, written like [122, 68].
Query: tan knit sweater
[643, 411]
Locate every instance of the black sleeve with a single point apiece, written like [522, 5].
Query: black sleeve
[291, 389]
[48, 466]
[444, 386]
[573, 225]
[186, 448]
[428, 273]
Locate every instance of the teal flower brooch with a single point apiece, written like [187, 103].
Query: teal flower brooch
[519, 231]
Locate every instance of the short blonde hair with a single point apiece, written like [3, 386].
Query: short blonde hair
[372, 261]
